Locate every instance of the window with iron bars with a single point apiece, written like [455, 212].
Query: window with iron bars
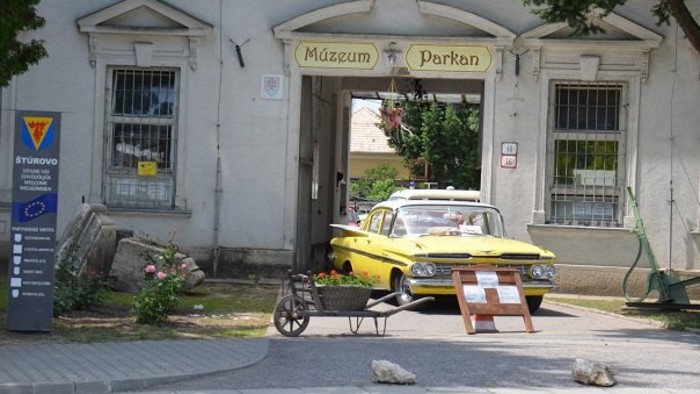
[586, 150]
[141, 138]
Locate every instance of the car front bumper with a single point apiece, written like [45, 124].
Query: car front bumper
[428, 286]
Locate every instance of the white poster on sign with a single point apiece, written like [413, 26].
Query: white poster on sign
[474, 294]
[508, 295]
[486, 279]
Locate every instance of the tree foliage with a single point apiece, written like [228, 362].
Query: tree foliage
[376, 184]
[445, 136]
[16, 56]
[576, 13]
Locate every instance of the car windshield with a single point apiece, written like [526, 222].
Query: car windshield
[444, 219]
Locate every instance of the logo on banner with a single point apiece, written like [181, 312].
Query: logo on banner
[37, 131]
[30, 210]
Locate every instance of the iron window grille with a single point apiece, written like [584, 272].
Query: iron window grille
[141, 138]
[586, 147]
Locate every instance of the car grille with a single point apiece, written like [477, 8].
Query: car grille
[444, 271]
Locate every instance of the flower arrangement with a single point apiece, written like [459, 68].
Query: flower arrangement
[335, 278]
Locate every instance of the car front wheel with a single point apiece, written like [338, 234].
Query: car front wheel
[533, 303]
[401, 286]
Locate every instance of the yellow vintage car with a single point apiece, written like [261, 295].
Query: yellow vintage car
[412, 245]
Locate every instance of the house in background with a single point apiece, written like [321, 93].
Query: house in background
[369, 147]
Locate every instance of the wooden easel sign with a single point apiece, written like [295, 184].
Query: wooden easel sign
[490, 291]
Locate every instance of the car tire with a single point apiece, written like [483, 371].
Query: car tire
[405, 296]
[533, 303]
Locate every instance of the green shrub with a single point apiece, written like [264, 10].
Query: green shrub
[73, 291]
[165, 285]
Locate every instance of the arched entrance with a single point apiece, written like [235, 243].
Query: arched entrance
[361, 45]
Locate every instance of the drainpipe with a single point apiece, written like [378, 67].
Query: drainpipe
[217, 184]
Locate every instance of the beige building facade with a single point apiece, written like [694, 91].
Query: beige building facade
[369, 147]
[243, 109]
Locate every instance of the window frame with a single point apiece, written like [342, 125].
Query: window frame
[595, 195]
[166, 179]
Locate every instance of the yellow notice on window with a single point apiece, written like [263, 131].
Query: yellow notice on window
[147, 168]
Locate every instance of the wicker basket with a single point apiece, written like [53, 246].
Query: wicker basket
[344, 298]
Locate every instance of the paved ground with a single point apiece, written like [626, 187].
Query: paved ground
[327, 358]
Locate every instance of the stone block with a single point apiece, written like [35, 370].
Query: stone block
[127, 274]
[89, 240]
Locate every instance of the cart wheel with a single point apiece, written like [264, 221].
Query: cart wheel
[290, 316]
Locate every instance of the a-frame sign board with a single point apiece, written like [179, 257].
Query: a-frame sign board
[491, 291]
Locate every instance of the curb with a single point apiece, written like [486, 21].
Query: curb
[615, 315]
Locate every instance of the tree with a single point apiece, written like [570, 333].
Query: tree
[17, 16]
[443, 136]
[376, 184]
[576, 14]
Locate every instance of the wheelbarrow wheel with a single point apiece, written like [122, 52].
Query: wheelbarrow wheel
[290, 315]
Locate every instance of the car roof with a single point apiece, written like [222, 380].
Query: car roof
[437, 194]
[395, 204]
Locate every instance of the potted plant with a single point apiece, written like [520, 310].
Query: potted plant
[339, 291]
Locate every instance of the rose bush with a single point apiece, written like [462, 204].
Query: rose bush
[164, 287]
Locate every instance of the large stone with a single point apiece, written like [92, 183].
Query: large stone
[89, 240]
[193, 275]
[384, 371]
[593, 374]
[127, 274]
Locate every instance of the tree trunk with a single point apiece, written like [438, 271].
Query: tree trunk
[686, 21]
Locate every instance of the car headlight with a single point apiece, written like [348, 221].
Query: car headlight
[549, 271]
[538, 271]
[420, 269]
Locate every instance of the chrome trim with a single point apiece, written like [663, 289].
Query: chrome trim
[448, 283]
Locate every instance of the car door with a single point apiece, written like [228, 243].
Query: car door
[374, 262]
[370, 248]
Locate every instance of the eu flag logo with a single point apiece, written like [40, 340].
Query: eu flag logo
[30, 210]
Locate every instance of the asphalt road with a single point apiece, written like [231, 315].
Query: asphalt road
[434, 345]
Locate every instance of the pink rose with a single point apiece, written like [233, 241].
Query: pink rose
[161, 275]
[150, 268]
[183, 266]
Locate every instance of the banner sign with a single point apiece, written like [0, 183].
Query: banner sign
[344, 55]
[450, 58]
[33, 230]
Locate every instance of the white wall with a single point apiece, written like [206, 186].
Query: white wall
[258, 138]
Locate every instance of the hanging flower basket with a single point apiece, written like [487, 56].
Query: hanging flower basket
[344, 298]
[390, 112]
[391, 116]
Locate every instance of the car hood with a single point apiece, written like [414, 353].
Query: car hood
[476, 246]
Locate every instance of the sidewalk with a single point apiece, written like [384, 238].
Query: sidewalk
[122, 366]
[136, 366]
[147, 365]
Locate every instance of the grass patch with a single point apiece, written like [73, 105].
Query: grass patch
[213, 310]
[674, 320]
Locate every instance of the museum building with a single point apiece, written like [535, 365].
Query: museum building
[230, 121]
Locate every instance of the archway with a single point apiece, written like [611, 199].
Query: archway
[354, 47]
